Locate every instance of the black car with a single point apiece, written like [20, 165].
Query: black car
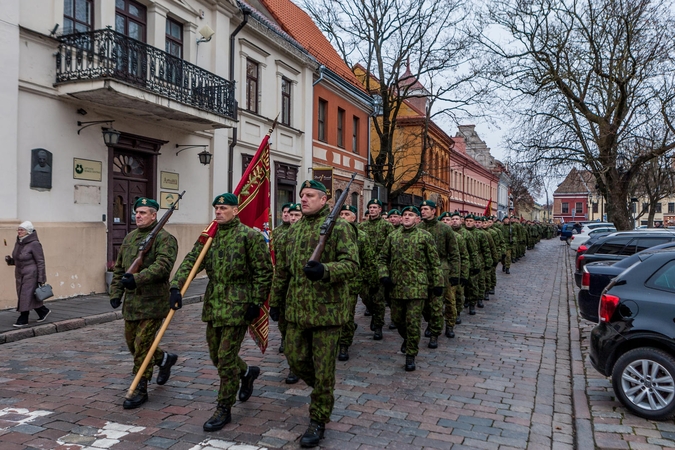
[596, 276]
[620, 245]
[634, 343]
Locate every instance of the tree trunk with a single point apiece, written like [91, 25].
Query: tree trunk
[617, 208]
[652, 213]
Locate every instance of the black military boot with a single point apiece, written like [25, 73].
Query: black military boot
[139, 397]
[508, 272]
[246, 388]
[449, 332]
[503, 269]
[486, 296]
[458, 320]
[165, 369]
[367, 312]
[409, 363]
[427, 332]
[378, 334]
[344, 353]
[466, 303]
[472, 310]
[480, 304]
[219, 419]
[491, 292]
[392, 326]
[292, 378]
[433, 342]
[281, 347]
[372, 323]
[403, 346]
[313, 434]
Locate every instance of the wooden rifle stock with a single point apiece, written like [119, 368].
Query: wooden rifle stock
[145, 247]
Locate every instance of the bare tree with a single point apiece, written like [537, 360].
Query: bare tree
[587, 78]
[397, 43]
[654, 182]
[526, 184]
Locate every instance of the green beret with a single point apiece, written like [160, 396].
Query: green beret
[150, 203]
[470, 216]
[294, 207]
[226, 199]
[445, 214]
[411, 209]
[375, 201]
[313, 184]
[455, 213]
[394, 212]
[428, 203]
[349, 208]
[286, 205]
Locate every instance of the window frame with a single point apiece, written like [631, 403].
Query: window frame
[564, 208]
[252, 83]
[341, 127]
[74, 20]
[169, 38]
[128, 17]
[578, 208]
[286, 98]
[322, 117]
[356, 124]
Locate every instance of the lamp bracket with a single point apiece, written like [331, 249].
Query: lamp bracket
[94, 122]
[189, 146]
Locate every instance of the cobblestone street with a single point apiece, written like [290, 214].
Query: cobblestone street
[516, 376]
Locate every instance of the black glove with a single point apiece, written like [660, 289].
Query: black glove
[314, 270]
[9, 260]
[387, 282]
[463, 281]
[437, 291]
[503, 259]
[175, 299]
[495, 264]
[115, 302]
[128, 281]
[275, 313]
[252, 312]
[454, 281]
[474, 271]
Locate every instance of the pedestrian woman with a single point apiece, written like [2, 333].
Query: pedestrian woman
[29, 270]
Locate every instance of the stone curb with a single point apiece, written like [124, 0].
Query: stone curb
[73, 324]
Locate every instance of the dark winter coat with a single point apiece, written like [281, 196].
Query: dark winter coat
[29, 270]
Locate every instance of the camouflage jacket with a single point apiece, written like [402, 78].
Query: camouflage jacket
[278, 233]
[482, 248]
[498, 240]
[446, 245]
[465, 265]
[508, 234]
[495, 256]
[367, 273]
[377, 231]
[150, 299]
[410, 259]
[239, 268]
[316, 303]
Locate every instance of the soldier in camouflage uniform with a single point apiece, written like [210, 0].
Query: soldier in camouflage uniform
[493, 257]
[317, 299]
[377, 230]
[476, 291]
[394, 218]
[410, 268]
[500, 248]
[464, 268]
[448, 250]
[469, 284]
[146, 302]
[276, 239]
[507, 236]
[239, 268]
[366, 276]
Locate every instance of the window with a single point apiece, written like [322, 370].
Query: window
[338, 193]
[323, 106]
[595, 208]
[664, 278]
[78, 16]
[174, 38]
[341, 128]
[645, 207]
[355, 203]
[579, 208]
[658, 208]
[286, 101]
[613, 246]
[645, 243]
[671, 208]
[565, 208]
[252, 72]
[355, 135]
[130, 19]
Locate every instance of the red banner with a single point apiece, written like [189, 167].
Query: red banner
[487, 211]
[253, 192]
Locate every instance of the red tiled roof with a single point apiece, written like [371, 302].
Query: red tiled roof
[297, 23]
[577, 181]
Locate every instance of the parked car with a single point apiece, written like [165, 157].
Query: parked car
[619, 245]
[586, 226]
[596, 276]
[567, 231]
[634, 343]
[577, 239]
[592, 240]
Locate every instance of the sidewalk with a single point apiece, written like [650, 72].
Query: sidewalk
[76, 312]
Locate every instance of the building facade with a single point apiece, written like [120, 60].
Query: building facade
[572, 197]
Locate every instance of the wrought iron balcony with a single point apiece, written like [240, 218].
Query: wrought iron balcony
[107, 54]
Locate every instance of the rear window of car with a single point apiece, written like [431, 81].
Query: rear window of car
[614, 246]
[648, 242]
[664, 278]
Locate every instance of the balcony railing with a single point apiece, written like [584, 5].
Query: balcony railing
[107, 54]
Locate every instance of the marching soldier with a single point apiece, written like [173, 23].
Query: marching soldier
[147, 295]
[316, 298]
[470, 284]
[465, 267]
[377, 230]
[276, 239]
[239, 268]
[410, 268]
[476, 292]
[499, 255]
[394, 218]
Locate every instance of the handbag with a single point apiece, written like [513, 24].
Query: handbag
[44, 292]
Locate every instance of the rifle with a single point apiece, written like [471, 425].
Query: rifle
[328, 224]
[146, 245]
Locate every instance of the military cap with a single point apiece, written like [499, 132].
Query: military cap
[294, 207]
[429, 203]
[374, 201]
[143, 201]
[348, 208]
[411, 209]
[455, 213]
[286, 205]
[313, 184]
[445, 214]
[226, 199]
[394, 212]
[470, 216]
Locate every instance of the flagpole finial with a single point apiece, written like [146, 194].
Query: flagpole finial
[274, 124]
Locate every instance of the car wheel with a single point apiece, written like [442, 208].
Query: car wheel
[644, 381]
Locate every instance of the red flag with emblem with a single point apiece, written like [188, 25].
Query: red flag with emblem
[253, 192]
[487, 211]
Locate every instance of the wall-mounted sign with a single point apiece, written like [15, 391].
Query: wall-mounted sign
[41, 169]
[86, 169]
[168, 180]
[166, 199]
[325, 176]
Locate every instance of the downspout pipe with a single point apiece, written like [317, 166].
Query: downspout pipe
[318, 80]
[233, 143]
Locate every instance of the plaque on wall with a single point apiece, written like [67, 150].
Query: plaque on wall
[168, 180]
[86, 169]
[325, 176]
[167, 199]
[41, 169]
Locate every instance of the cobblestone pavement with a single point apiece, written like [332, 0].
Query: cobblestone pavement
[513, 378]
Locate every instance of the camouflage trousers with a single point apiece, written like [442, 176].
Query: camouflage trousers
[490, 278]
[140, 335]
[374, 301]
[475, 289]
[450, 312]
[224, 344]
[432, 311]
[407, 316]
[507, 259]
[282, 324]
[348, 329]
[459, 299]
[311, 354]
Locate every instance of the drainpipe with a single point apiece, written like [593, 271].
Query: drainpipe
[230, 155]
[318, 80]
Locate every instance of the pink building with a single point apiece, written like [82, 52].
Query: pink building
[472, 185]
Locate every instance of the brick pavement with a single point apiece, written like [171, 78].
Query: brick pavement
[513, 378]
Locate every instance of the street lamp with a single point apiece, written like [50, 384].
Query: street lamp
[634, 201]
